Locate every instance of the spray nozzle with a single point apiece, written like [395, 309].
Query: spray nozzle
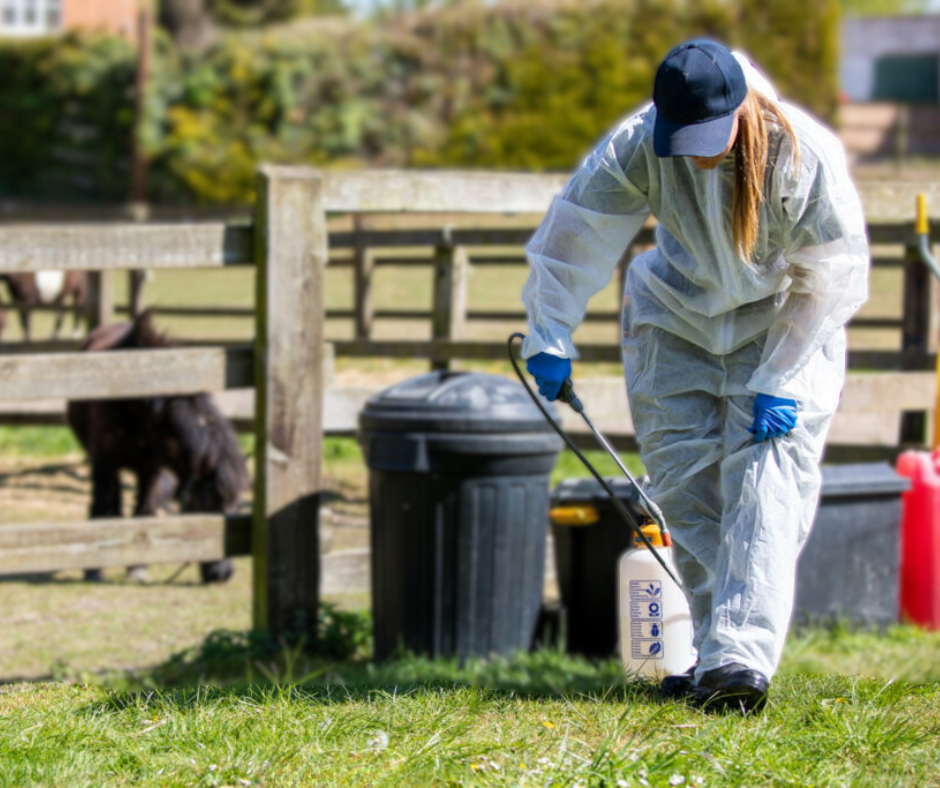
[568, 396]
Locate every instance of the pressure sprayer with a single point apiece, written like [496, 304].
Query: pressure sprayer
[655, 624]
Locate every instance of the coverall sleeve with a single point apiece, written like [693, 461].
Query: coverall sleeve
[575, 250]
[827, 251]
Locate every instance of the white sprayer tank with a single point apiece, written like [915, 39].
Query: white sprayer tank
[655, 624]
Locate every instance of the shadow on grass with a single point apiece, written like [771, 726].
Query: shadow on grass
[339, 668]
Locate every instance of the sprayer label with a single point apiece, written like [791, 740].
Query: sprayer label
[646, 619]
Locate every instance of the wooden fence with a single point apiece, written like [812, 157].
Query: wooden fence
[289, 242]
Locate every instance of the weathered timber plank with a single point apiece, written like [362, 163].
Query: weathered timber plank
[449, 296]
[899, 233]
[439, 192]
[49, 547]
[291, 256]
[893, 201]
[196, 311]
[434, 237]
[123, 246]
[443, 349]
[130, 373]
[363, 262]
[891, 360]
[99, 306]
[869, 398]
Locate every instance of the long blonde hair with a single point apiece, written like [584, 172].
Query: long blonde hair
[750, 164]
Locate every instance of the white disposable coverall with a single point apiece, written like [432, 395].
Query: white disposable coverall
[703, 333]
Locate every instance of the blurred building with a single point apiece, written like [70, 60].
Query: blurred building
[891, 59]
[34, 18]
[890, 84]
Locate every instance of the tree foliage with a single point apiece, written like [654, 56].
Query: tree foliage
[517, 86]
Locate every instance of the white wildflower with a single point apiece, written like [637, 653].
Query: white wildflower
[379, 741]
[676, 779]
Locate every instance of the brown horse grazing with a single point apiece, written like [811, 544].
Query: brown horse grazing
[51, 288]
[185, 435]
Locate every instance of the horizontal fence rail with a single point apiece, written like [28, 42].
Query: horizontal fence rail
[88, 544]
[122, 374]
[90, 247]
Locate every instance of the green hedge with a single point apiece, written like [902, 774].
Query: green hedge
[67, 109]
[519, 86]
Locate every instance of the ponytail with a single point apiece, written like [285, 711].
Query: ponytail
[750, 164]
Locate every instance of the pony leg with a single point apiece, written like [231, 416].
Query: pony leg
[150, 494]
[105, 499]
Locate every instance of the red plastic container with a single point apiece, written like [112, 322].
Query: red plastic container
[920, 538]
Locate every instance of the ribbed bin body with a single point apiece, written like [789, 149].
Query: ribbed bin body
[587, 559]
[850, 565]
[459, 470]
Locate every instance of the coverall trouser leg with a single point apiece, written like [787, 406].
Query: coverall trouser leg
[739, 511]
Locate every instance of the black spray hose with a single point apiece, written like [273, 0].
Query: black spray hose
[567, 396]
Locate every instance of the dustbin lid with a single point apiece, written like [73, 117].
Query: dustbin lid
[444, 401]
[862, 480]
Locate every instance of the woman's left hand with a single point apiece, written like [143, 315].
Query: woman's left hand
[773, 417]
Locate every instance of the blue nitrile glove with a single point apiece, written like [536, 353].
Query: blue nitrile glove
[773, 417]
[549, 372]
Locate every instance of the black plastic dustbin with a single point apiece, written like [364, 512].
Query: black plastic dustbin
[587, 555]
[459, 468]
[850, 565]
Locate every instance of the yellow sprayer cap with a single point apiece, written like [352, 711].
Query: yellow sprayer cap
[657, 538]
[574, 515]
[921, 226]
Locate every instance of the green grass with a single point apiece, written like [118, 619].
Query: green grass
[45, 442]
[532, 720]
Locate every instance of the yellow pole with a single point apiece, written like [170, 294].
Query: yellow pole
[922, 229]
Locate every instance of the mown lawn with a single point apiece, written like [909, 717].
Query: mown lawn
[536, 720]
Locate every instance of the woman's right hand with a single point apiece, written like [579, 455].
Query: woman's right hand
[550, 372]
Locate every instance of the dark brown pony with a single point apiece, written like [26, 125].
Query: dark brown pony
[184, 435]
[47, 287]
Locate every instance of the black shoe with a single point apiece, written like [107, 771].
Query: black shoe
[732, 688]
[679, 685]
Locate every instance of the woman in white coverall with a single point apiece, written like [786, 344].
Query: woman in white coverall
[733, 334]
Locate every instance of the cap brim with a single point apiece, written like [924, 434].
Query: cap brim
[708, 138]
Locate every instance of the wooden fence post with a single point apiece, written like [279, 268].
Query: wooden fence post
[449, 310]
[291, 253]
[99, 302]
[363, 268]
[918, 338]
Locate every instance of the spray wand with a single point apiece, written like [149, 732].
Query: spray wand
[568, 396]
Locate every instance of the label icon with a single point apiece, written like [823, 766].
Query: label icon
[646, 630]
[646, 619]
[648, 649]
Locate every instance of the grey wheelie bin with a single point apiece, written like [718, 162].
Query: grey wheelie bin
[459, 468]
[849, 568]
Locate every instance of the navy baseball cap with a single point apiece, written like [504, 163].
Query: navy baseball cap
[698, 87]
